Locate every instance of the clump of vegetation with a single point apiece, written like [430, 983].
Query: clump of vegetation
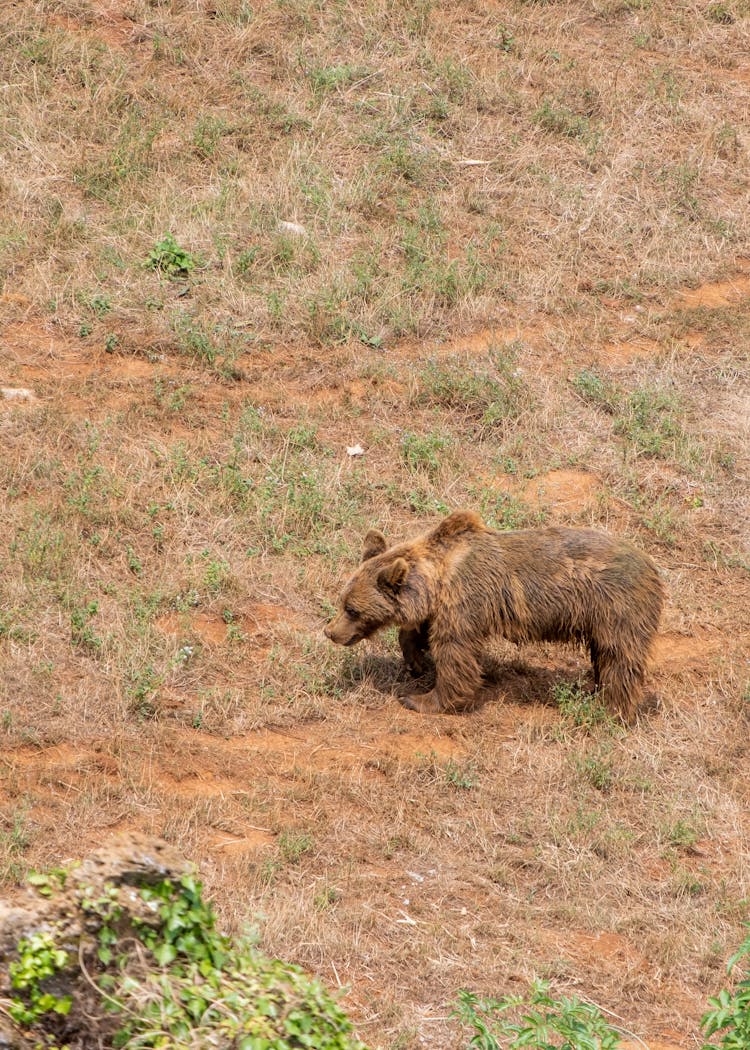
[425, 451]
[490, 393]
[729, 1015]
[169, 258]
[649, 421]
[536, 1020]
[596, 390]
[38, 959]
[579, 707]
[151, 969]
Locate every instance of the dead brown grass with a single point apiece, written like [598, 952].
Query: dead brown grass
[557, 333]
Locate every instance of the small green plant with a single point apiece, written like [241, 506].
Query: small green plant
[99, 303]
[81, 632]
[195, 340]
[729, 1015]
[682, 834]
[142, 690]
[595, 390]
[597, 769]
[720, 14]
[326, 79]
[39, 958]
[580, 707]
[425, 452]
[216, 573]
[503, 510]
[294, 844]
[169, 258]
[207, 134]
[562, 121]
[490, 395]
[536, 1021]
[648, 419]
[462, 776]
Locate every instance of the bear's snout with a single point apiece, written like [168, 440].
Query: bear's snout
[342, 631]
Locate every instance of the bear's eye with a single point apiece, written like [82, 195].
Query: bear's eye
[351, 613]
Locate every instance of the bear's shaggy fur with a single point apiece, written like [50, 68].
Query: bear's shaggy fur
[462, 583]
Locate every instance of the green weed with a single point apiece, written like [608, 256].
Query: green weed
[597, 770]
[39, 959]
[561, 120]
[293, 845]
[490, 395]
[596, 390]
[503, 510]
[461, 775]
[425, 452]
[142, 688]
[729, 1013]
[682, 834]
[533, 1020]
[720, 13]
[207, 134]
[648, 419]
[170, 259]
[580, 707]
[82, 633]
[327, 79]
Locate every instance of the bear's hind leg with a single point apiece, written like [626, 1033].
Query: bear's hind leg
[620, 683]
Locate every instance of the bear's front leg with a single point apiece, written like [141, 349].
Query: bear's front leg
[415, 644]
[459, 677]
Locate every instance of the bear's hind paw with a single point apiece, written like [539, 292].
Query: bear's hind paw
[425, 703]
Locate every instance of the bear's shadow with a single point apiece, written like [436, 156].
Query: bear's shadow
[513, 681]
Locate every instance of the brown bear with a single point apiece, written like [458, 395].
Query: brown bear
[462, 583]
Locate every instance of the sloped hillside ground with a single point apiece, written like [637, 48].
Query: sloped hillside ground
[517, 276]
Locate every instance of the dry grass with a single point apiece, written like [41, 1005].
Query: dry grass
[179, 507]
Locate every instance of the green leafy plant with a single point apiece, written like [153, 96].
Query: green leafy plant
[425, 451]
[536, 1021]
[580, 707]
[82, 633]
[596, 390]
[730, 1010]
[169, 258]
[156, 972]
[39, 958]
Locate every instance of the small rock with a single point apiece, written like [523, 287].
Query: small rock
[292, 227]
[355, 450]
[11, 393]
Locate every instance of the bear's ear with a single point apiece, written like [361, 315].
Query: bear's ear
[391, 578]
[374, 544]
[456, 523]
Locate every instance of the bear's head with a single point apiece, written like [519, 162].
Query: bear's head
[369, 599]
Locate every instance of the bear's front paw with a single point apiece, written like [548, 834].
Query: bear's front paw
[425, 703]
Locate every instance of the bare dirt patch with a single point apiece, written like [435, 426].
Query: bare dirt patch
[626, 351]
[562, 490]
[531, 334]
[674, 652]
[716, 293]
[256, 622]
